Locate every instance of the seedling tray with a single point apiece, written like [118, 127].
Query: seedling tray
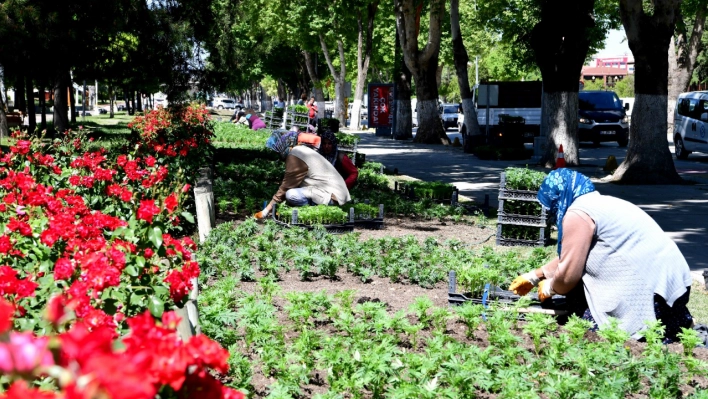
[554, 306]
[340, 228]
[522, 220]
[369, 224]
[508, 242]
[375, 223]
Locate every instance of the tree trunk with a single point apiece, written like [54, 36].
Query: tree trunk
[20, 104]
[363, 58]
[423, 66]
[560, 114]
[339, 78]
[402, 92]
[282, 91]
[72, 101]
[430, 127]
[683, 52]
[60, 117]
[31, 110]
[43, 106]
[140, 101]
[4, 130]
[471, 125]
[560, 42]
[648, 160]
[319, 94]
[111, 102]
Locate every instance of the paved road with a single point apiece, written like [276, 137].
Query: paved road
[682, 211]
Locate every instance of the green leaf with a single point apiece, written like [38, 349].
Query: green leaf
[140, 261]
[155, 236]
[156, 306]
[132, 270]
[188, 217]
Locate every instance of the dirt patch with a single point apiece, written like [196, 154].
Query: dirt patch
[469, 233]
[396, 296]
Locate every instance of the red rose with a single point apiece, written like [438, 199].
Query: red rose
[147, 210]
[171, 202]
[63, 269]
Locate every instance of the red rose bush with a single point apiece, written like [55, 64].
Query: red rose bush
[93, 230]
[87, 362]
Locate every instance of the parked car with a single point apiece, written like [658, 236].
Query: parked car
[225, 103]
[102, 111]
[448, 114]
[602, 117]
[691, 124]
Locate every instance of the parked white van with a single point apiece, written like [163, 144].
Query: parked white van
[691, 124]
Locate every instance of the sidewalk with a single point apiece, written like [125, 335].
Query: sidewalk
[682, 211]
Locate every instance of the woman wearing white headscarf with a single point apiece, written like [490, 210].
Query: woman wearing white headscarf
[309, 178]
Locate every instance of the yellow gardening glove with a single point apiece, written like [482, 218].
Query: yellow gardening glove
[545, 290]
[524, 283]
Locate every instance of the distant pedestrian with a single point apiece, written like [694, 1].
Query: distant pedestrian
[312, 113]
[302, 99]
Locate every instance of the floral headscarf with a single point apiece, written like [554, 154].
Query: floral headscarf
[332, 156]
[281, 141]
[560, 188]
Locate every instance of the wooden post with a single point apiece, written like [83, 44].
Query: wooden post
[206, 220]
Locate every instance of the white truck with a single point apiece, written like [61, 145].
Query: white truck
[515, 99]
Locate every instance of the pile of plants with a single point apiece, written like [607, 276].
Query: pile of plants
[249, 250]
[227, 134]
[362, 211]
[299, 109]
[311, 215]
[287, 345]
[433, 190]
[523, 179]
[347, 139]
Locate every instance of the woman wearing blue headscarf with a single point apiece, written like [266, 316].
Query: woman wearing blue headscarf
[613, 260]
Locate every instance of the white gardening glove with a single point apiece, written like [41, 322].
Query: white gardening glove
[545, 290]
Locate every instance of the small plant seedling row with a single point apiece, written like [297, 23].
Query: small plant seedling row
[438, 192]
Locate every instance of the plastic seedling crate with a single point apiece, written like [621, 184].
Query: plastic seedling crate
[492, 294]
[341, 228]
[538, 222]
[376, 223]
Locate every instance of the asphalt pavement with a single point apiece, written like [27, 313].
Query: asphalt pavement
[681, 210]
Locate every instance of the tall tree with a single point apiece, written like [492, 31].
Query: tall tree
[471, 125]
[402, 81]
[649, 32]
[560, 42]
[364, 50]
[684, 49]
[423, 64]
[338, 77]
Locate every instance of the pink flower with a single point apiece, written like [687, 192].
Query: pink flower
[24, 353]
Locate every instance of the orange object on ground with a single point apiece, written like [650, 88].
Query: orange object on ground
[560, 161]
[309, 139]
